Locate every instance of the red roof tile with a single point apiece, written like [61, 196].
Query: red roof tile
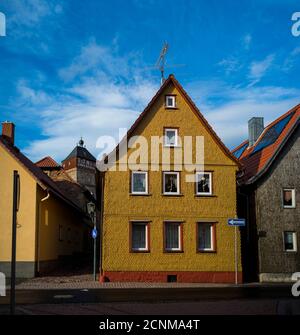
[47, 162]
[257, 162]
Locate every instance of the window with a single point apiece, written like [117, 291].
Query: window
[139, 236]
[290, 241]
[204, 183]
[173, 236]
[170, 101]
[171, 137]
[206, 237]
[139, 182]
[288, 198]
[170, 183]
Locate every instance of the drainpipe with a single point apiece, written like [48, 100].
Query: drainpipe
[38, 229]
[101, 276]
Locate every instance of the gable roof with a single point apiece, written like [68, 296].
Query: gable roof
[47, 162]
[258, 158]
[194, 108]
[81, 152]
[42, 179]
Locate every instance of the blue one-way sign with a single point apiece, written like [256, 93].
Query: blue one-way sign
[94, 233]
[237, 222]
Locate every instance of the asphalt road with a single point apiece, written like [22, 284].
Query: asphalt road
[152, 295]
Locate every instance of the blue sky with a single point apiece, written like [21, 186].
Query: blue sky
[83, 68]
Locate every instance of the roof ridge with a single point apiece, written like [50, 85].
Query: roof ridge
[45, 158]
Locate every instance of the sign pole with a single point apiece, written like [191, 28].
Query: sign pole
[95, 246]
[235, 255]
[14, 243]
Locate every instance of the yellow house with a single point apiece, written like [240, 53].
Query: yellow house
[159, 224]
[50, 226]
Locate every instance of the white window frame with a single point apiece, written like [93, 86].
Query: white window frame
[173, 97]
[164, 182]
[212, 237]
[132, 184]
[176, 137]
[178, 224]
[295, 249]
[210, 183]
[146, 225]
[293, 197]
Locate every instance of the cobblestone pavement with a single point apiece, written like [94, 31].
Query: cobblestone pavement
[82, 281]
[86, 281]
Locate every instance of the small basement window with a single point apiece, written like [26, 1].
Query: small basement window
[171, 278]
[170, 101]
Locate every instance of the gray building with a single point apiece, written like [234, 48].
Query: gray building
[80, 164]
[269, 198]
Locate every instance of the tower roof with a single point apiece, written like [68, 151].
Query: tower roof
[81, 152]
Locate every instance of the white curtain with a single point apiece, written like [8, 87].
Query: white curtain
[172, 236]
[138, 236]
[204, 236]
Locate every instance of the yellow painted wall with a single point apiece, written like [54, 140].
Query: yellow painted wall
[27, 210]
[53, 213]
[120, 207]
[49, 214]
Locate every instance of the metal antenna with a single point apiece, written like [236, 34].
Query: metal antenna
[160, 64]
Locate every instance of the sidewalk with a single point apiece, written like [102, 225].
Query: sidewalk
[86, 282]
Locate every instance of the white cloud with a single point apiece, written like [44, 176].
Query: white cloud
[30, 12]
[231, 64]
[97, 100]
[291, 59]
[228, 108]
[259, 68]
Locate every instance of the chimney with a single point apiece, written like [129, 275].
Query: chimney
[8, 131]
[255, 128]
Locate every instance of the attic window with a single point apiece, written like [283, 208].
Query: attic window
[170, 101]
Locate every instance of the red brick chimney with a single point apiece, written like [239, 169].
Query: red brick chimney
[8, 131]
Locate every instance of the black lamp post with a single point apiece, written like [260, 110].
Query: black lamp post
[91, 209]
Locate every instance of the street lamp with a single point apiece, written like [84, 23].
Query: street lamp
[91, 209]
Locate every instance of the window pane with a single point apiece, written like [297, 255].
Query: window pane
[289, 241]
[171, 183]
[170, 101]
[139, 182]
[287, 198]
[172, 236]
[170, 137]
[204, 236]
[203, 183]
[138, 236]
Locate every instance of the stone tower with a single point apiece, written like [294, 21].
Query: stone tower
[81, 166]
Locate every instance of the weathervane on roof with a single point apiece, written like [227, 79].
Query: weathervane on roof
[81, 142]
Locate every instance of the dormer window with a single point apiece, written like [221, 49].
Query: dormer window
[170, 101]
